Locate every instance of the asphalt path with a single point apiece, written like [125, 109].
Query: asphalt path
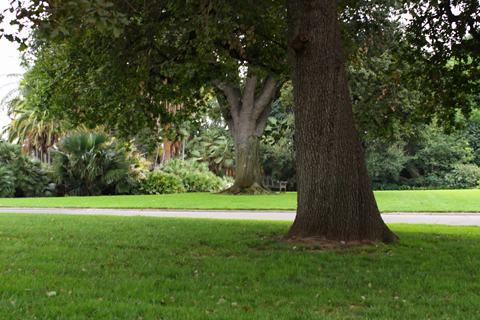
[447, 218]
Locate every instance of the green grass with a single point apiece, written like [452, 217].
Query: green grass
[429, 201]
[388, 201]
[199, 200]
[109, 267]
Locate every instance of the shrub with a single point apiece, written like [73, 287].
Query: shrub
[385, 186]
[37, 180]
[93, 164]
[463, 176]
[159, 182]
[440, 153]
[385, 161]
[215, 147]
[22, 176]
[7, 186]
[194, 175]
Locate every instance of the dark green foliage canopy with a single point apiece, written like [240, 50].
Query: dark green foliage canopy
[442, 46]
[118, 62]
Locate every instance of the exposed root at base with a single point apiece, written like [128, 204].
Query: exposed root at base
[324, 243]
[389, 237]
[385, 235]
[253, 189]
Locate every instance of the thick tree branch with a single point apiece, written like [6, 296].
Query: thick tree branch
[234, 96]
[475, 34]
[130, 5]
[225, 109]
[262, 119]
[252, 59]
[249, 90]
[272, 40]
[265, 96]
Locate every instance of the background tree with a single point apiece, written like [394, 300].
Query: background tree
[442, 48]
[335, 198]
[177, 61]
[472, 133]
[33, 127]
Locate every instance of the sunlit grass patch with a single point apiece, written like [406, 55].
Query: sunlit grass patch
[388, 201]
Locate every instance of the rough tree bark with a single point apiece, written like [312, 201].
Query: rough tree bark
[246, 121]
[335, 198]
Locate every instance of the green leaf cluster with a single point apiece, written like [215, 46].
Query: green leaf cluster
[442, 52]
[385, 161]
[463, 176]
[214, 147]
[439, 152]
[22, 176]
[178, 176]
[159, 182]
[168, 51]
[92, 163]
[195, 175]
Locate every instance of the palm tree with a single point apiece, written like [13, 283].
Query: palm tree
[30, 128]
[216, 148]
[13, 95]
[88, 163]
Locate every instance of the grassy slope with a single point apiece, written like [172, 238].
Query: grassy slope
[388, 201]
[146, 268]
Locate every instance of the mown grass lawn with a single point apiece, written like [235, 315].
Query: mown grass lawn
[109, 267]
[388, 201]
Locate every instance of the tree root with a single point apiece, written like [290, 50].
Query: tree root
[250, 189]
[377, 231]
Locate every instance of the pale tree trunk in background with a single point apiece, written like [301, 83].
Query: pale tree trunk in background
[167, 150]
[335, 198]
[170, 148]
[246, 121]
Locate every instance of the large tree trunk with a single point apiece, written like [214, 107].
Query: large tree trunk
[246, 118]
[335, 198]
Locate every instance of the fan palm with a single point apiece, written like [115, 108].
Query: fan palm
[90, 163]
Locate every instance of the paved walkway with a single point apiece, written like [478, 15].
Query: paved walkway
[448, 218]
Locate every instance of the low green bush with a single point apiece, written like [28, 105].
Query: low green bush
[94, 163]
[37, 180]
[195, 176]
[385, 186]
[159, 182]
[7, 185]
[463, 176]
[22, 176]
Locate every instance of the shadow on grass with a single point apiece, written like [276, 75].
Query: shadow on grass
[107, 267]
